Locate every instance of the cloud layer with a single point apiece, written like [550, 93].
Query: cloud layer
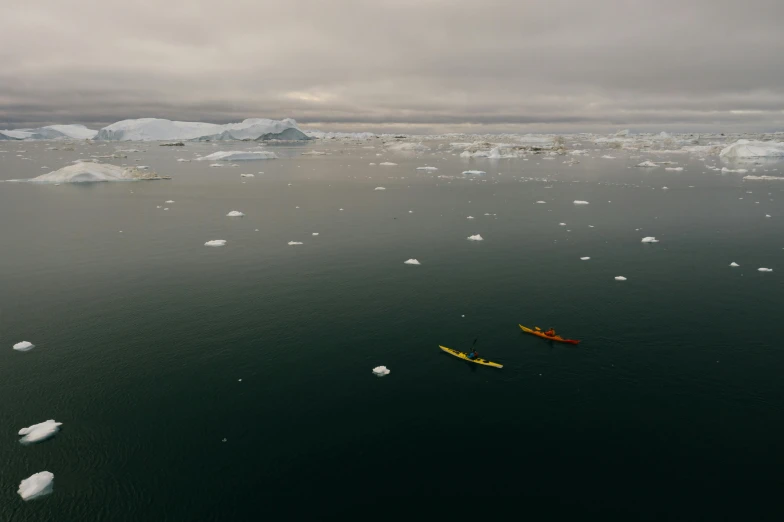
[428, 65]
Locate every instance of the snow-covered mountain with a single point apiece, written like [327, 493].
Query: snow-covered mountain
[155, 129]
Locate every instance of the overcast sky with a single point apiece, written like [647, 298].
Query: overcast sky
[407, 65]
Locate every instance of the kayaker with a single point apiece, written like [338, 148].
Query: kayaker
[550, 333]
[473, 354]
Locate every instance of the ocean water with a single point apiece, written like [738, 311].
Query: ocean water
[195, 382]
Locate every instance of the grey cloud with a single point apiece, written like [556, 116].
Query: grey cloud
[429, 64]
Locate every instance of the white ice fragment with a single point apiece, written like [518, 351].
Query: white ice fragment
[381, 371]
[620, 278]
[476, 237]
[470, 217]
[427, 168]
[540, 202]
[235, 213]
[763, 178]
[315, 233]
[765, 269]
[388, 164]
[474, 172]
[371, 164]
[215, 243]
[412, 262]
[584, 258]
[767, 215]
[24, 346]
[734, 264]
[561, 224]
[578, 202]
[169, 201]
[247, 176]
[291, 243]
[647, 163]
[665, 188]
[39, 432]
[608, 157]
[739, 171]
[649, 239]
[753, 149]
[379, 188]
[238, 155]
[677, 169]
[36, 485]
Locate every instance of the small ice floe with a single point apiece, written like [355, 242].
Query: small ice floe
[649, 239]
[412, 262]
[182, 160]
[474, 172]
[470, 217]
[24, 346]
[36, 485]
[39, 432]
[739, 171]
[763, 178]
[584, 258]
[647, 163]
[665, 188]
[410, 211]
[215, 243]
[620, 278]
[387, 164]
[166, 208]
[767, 215]
[379, 188]
[216, 165]
[475, 237]
[315, 233]
[734, 264]
[540, 202]
[235, 213]
[291, 243]
[340, 209]
[169, 201]
[765, 269]
[247, 176]
[427, 168]
[561, 224]
[608, 157]
[380, 371]
[578, 202]
[371, 164]
[676, 169]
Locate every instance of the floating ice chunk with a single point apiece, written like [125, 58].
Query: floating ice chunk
[169, 201]
[314, 153]
[665, 188]
[388, 164]
[476, 237]
[608, 157]
[561, 224]
[540, 202]
[406, 147]
[767, 215]
[216, 165]
[474, 172]
[620, 278]
[578, 202]
[762, 178]
[412, 262]
[39, 432]
[24, 346]
[427, 168]
[734, 264]
[371, 164]
[380, 371]
[315, 233]
[295, 243]
[235, 213]
[379, 188]
[36, 485]
[677, 169]
[247, 176]
[90, 172]
[239, 155]
[649, 239]
[470, 217]
[765, 269]
[647, 163]
[215, 243]
[584, 258]
[753, 149]
[183, 160]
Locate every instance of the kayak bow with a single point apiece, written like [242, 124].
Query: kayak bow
[464, 356]
[556, 338]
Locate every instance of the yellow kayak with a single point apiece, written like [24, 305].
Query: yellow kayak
[464, 356]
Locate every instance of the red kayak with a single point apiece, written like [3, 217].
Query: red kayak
[556, 338]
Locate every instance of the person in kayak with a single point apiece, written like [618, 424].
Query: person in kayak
[550, 333]
[473, 354]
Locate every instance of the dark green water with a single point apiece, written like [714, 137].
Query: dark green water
[672, 403]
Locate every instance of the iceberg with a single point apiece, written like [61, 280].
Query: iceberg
[578, 202]
[739, 171]
[235, 213]
[584, 258]
[765, 269]
[36, 485]
[24, 346]
[411, 262]
[155, 129]
[314, 153]
[470, 217]
[169, 201]
[39, 432]
[238, 155]
[734, 264]
[649, 239]
[476, 237]
[620, 278]
[90, 172]
[247, 175]
[541, 202]
[215, 243]
[381, 371]
[743, 149]
[315, 234]
[676, 169]
[608, 157]
[52, 132]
